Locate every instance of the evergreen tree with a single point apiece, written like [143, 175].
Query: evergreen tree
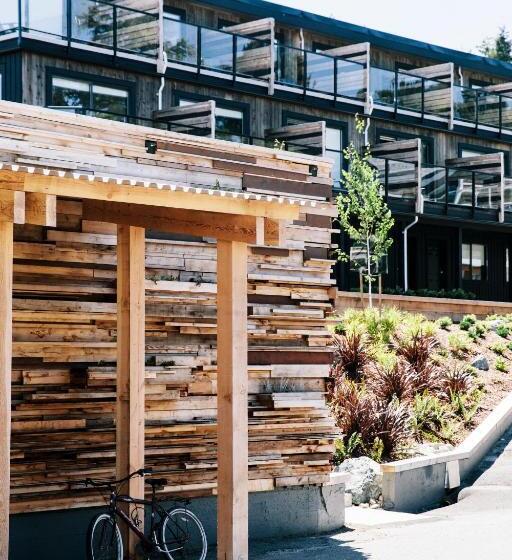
[499, 47]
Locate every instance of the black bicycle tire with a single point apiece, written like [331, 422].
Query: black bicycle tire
[90, 530]
[196, 520]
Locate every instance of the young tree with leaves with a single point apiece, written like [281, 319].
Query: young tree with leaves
[363, 212]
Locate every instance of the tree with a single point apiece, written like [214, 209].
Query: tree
[499, 47]
[363, 213]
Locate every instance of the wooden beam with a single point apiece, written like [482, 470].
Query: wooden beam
[6, 256]
[130, 360]
[41, 209]
[151, 196]
[12, 206]
[232, 436]
[229, 227]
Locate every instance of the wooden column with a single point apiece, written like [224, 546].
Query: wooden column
[232, 510]
[130, 360]
[6, 256]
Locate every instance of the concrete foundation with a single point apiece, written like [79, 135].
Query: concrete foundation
[60, 535]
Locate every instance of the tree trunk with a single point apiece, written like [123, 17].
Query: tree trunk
[369, 265]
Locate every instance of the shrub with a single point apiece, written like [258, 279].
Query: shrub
[340, 328]
[467, 321]
[393, 428]
[509, 345]
[503, 331]
[501, 365]
[378, 326]
[498, 348]
[481, 328]
[427, 379]
[431, 419]
[458, 343]
[466, 406]
[415, 349]
[350, 356]
[458, 380]
[389, 383]
[473, 333]
[345, 450]
[444, 322]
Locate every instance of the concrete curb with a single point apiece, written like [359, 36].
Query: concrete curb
[412, 485]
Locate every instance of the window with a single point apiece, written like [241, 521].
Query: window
[174, 14]
[89, 98]
[427, 143]
[474, 261]
[223, 22]
[230, 123]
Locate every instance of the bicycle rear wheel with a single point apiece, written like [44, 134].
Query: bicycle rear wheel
[104, 540]
[182, 536]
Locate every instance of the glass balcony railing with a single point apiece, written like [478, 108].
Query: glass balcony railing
[319, 72]
[399, 178]
[460, 187]
[406, 91]
[93, 22]
[482, 107]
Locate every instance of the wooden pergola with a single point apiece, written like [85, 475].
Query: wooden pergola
[28, 195]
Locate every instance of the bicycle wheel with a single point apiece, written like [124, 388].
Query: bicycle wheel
[104, 540]
[182, 536]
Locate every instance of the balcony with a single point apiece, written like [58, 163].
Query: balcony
[247, 56]
[472, 188]
[95, 25]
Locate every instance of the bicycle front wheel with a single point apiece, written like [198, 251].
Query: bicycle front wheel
[104, 540]
[183, 536]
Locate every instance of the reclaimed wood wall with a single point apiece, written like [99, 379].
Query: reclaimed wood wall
[64, 330]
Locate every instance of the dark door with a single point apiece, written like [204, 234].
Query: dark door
[436, 265]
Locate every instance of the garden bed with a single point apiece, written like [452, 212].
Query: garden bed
[402, 383]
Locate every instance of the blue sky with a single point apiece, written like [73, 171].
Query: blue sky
[458, 24]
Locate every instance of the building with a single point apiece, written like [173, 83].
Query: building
[267, 67]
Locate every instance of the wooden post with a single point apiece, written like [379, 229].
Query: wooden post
[6, 256]
[232, 432]
[130, 361]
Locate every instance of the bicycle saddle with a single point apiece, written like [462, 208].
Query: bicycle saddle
[156, 481]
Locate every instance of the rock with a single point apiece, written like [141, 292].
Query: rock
[481, 362]
[494, 324]
[365, 482]
[348, 499]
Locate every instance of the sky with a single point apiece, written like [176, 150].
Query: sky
[457, 24]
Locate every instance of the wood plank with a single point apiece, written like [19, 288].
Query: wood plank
[6, 259]
[41, 209]
[232, 446]
[130, 361]
[12, 206]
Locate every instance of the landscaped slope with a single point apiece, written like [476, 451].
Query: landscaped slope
[399, 380]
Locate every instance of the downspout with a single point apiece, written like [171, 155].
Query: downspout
[301, 35]
[406, 262]
[162, 80]
[369, 112]
[461, 77]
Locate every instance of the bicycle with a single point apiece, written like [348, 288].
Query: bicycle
[176, 534]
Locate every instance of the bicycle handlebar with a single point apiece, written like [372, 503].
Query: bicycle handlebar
[110, 483]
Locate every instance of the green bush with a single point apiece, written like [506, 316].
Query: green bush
[498, 348]
[473, 333]
[481, 328]
[458, 343]
[431, 419]
[465, 406]
[467, 322]
[501, 365]
[509, 345]
[503, 331]
[444, 322]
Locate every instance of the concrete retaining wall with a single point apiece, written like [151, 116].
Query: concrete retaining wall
[413, 485]
[60, 535]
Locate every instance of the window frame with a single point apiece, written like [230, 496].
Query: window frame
[244, 108]
[428, 140]
[92, 79]
[484, 150]
[484, 274]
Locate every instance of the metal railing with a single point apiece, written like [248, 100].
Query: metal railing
[481, 107]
